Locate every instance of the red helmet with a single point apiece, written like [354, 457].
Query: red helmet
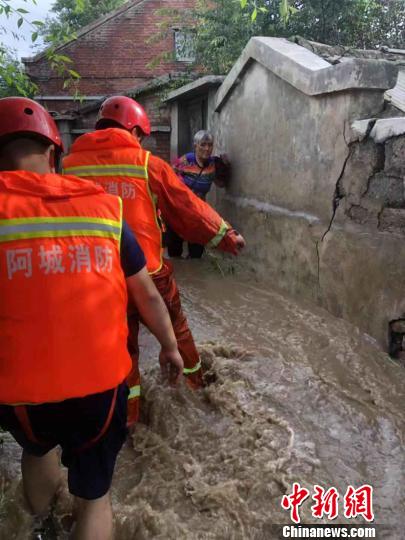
[23, 115]
[126, 112]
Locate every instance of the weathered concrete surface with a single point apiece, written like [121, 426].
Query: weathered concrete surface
[393, 220]
[296, 144]
[354, 272]
[361, 278]
[395, 156]
[365, 160]
[276, 239]
[360, 129]
[320, 202]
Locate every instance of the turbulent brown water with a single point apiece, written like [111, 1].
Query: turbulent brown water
[294, 395]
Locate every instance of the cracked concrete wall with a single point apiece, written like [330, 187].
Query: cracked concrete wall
[323, 213]
[371, 191]
[281, 140]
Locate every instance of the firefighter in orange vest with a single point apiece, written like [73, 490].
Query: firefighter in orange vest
[113, 157]
[67, 261]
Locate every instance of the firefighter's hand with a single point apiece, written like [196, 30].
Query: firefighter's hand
[171, 365]
[232, 242]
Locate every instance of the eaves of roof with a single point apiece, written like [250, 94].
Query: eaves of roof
[154, 84]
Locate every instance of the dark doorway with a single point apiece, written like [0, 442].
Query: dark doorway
[194, 117]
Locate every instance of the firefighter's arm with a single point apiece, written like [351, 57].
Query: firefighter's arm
[189, 216]
[143, 293]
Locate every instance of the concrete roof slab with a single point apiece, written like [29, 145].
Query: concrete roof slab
[307, 71]
[195, 87]
[386, 128]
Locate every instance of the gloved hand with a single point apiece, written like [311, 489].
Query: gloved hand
[232, 242]
[222, 170]
[225, 159]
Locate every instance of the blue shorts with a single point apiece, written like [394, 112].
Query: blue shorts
[90, 444]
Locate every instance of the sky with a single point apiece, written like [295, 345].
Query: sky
[7, 26]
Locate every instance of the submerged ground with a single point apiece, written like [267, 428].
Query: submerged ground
[294, 395]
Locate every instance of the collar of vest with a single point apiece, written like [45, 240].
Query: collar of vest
[104, 139]
[46, 186]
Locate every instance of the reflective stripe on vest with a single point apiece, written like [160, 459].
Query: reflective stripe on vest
[134, 392]
[63, 292]
[139, 203]
[49, 227]
[136, 171]
[188, 371]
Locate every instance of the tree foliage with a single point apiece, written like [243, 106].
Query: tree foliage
[224, 26]
[353, 23]
[13, 79]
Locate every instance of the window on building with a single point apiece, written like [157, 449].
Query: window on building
[184, 45]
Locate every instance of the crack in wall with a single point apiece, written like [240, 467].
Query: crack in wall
[319, 265]
[342, 191]
[338, 195]
[335, 204]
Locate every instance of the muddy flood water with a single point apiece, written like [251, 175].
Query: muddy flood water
[294, 395]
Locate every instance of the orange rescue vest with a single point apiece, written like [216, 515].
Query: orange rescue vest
[113, 159]
[63, 331]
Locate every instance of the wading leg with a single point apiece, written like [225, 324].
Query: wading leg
[94, 519]
[41, 480]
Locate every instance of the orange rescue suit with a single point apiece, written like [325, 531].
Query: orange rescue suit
[63, 330]
[114, 159]
[147, 185]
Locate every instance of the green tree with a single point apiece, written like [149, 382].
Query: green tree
[223, 30]
[223, 27]
[13, 79]
[71, 15]
[353, 23]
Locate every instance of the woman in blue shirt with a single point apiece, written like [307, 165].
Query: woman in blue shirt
[198, 170]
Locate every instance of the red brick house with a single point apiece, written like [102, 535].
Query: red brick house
[113, 56]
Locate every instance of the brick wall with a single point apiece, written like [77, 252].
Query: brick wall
[159, 114]
[159, 144]
[113, 56]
